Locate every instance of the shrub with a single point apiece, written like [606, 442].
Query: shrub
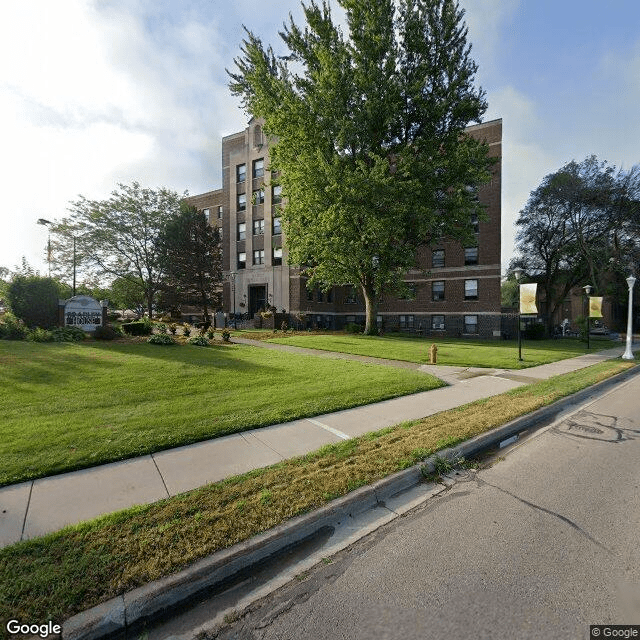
[161, 327]
[226, 334]
[138, 328]
[210, 334]
[161, 338]
[173, 328]
[106, 332]
[112, 316]
[352, 327]
[11, 328]
[534, 331]
[186, 330]
[198, 341]
[68, 334]
[39, 335]
[34, 300]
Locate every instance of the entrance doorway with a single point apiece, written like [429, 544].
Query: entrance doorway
[257, 298]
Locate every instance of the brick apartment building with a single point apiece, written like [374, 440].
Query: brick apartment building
[456, 290]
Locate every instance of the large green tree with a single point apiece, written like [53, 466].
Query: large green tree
[191, 259]
[34, 299]
[579, 226]
[116, 238]
[367, 132]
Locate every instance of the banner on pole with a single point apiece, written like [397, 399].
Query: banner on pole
[528, 299]
[595, 307]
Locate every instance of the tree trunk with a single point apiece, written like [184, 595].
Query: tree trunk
[371, 311]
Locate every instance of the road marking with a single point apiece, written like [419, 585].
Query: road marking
[335, 432]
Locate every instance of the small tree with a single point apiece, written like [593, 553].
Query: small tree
[191, 259]
[34, 299]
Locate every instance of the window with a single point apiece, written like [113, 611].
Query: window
[437, 290]
[241, 172]
[258, 196]
[242, 260]
[330, 295]
[277, 226]
[257, 136]
[320, 296]
[471, 324]
[277, 256]
[277, 194]
[474, 223]
[310, 295]
[258, 227]
[470, 289]
[220, 212]
[207, 214]
[437, 258]
[258, 256]
[471, 255]
[219, 229]
[241, 202]
[258, 168]
[350, 295]
[437, 323]
[242, 230]
[406, 322]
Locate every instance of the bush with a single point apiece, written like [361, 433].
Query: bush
[161, 338]
[534, 331]
[40, 335]
[34, 300]
[352, 327]
[11, 328]
[226, 334]
[68, 334]
[210, 334]
[112, 316]
[106, 332]
[173, 328]
[186, 330]
[161, 327]
[138, 328]
[198, 341]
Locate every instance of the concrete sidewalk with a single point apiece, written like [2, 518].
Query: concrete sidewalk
[37, 507]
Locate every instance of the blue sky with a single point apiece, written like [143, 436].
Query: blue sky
[95, 92]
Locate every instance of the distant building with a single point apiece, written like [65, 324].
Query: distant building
[456, 291]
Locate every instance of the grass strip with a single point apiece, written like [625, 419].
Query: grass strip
[58, 575]
[66, 407]
[499, 354]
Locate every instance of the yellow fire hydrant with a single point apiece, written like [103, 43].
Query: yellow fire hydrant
[433, 354]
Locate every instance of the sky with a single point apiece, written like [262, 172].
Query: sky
[99, 92]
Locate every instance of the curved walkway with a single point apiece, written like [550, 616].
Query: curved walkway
[37, 507]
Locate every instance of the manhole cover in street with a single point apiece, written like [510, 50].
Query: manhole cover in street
[592, 426]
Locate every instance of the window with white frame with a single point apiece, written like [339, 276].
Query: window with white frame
[470, 289]
[258, 256]
[258, 168]
[241, 202]
[406, 322]
[258, 196]
[277, 194]
[220, 212]
[437, 290]
[258, 227]
[437, 258]
[242, 260]
[471, 324]
[277, 256]
[242, 230]
[207, 214]
[241, 172]
[277, 226]
[471, 255]
[437, 323]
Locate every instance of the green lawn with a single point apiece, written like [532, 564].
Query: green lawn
[68, 406]
[501, 354]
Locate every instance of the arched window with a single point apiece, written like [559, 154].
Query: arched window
[257, 136]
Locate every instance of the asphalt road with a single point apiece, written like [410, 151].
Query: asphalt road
[541, 543]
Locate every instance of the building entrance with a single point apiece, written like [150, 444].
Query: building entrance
[257, 298]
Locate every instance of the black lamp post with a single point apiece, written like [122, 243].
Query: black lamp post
[587, 290]
[518, 274]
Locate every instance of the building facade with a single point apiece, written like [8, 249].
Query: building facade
[455, 290]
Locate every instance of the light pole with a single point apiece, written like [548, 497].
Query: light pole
[47, 223]
[518, 274]
[587, 290]
[232, 280]
[628, 354]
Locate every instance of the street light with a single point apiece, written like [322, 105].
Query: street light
[587, 290]
[232, 279]
[518, 274]
[628, 354]
[47, 223]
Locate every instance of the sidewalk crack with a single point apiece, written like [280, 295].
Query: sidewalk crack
[164, 484]
[26, 511]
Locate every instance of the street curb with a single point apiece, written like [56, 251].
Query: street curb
[112, 619]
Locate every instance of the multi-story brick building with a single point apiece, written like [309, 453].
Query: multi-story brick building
[456, 290]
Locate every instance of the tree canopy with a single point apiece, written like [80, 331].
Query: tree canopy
[117, 237]
[581, 226]
[367, 132]
[190, 256]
